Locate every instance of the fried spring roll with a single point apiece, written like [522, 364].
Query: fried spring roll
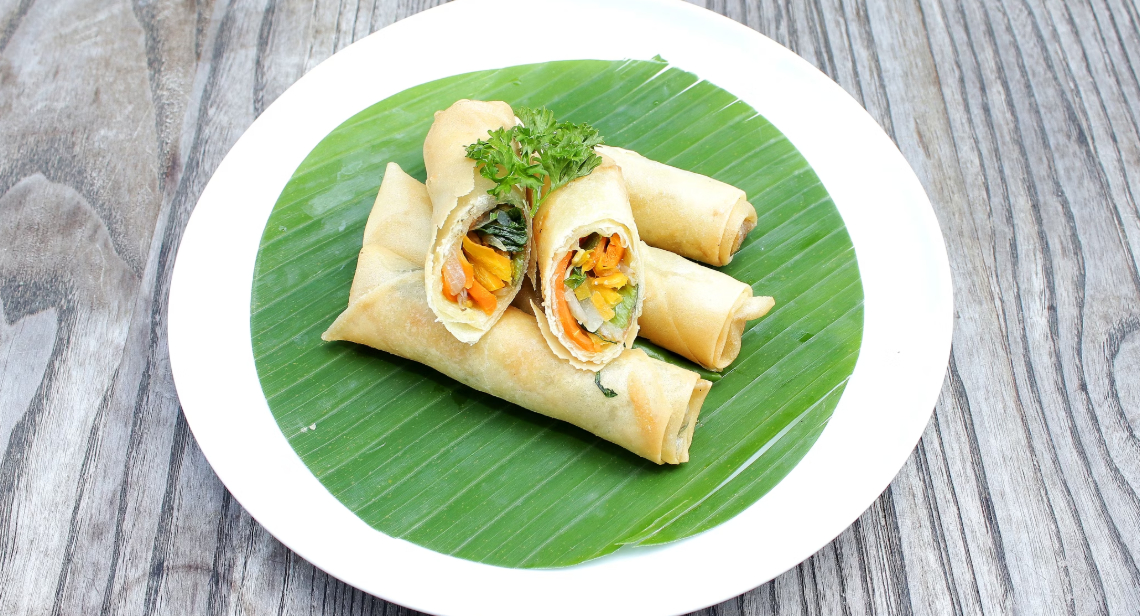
[400, 221]
[590, 270]
[480, 248]
[686, 213]
[695, 311]
[655, 406]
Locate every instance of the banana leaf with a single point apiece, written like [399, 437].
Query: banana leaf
[419, 456]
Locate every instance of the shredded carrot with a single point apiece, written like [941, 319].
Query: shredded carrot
[483, 298]
[560, 269]
[573, 330]
[612, 256]
[594, 254]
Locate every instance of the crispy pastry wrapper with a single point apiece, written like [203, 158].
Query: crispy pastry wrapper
[692, 310]
[680, 211]
[400, 221]
[653, 414]
[459, 197]
[696, 311]
[597, 203]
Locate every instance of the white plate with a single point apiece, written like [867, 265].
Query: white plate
[883, 411]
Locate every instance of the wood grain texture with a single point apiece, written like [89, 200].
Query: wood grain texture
[1021, 118]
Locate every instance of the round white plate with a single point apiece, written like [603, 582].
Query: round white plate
[902, 261]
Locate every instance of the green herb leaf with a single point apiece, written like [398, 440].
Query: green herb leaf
[609, 393]
[505, 228]
[624, 310]
[564, 150]
[499, 162]
[576, 278]
[528, 156]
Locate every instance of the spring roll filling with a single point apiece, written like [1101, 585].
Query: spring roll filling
[489, 261]
[597, 298]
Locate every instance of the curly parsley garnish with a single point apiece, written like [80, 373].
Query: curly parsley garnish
[500, 163]
[541, 149]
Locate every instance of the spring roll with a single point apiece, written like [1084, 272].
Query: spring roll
[695, 311]
[644, 405]
[481, 244]
[589, 267]
[683, 212]
[405, 217]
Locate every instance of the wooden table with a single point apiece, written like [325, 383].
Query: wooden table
[1021, 118]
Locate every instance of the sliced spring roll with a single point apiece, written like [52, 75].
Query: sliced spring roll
[589, 267]
[648, 407]
[680, 211]
[480, 244]
[695, 311]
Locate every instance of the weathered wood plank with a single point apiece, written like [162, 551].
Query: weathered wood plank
[1021, 118]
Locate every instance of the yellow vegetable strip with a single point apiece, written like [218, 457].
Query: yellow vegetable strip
[616, 280]
[580, 258]
[488, 259]
[602, 305]
[611, 297]
[489, 281]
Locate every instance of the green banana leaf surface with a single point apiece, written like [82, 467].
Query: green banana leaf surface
[424, 458]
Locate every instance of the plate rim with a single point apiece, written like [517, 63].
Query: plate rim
[217, 397]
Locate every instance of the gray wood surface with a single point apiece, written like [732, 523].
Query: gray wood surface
[1021, 118]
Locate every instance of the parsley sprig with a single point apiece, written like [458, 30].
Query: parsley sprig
[542, 155]
[500, 163]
